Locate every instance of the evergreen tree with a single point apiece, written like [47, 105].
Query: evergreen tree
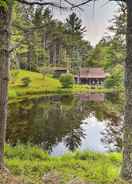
[74, 25]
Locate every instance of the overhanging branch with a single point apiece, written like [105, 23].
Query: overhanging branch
[83, 3]
[88, 1]
[41, 3]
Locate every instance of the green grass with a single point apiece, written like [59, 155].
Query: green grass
[39, 84]
[31, 163]
[43, 85]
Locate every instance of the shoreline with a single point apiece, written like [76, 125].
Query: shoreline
[32, 163]
[43, 86]
[61, 92]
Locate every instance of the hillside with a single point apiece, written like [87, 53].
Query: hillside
[39, 84]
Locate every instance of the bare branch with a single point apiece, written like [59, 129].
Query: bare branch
[41, 3]
[88, 1]
[82, 4]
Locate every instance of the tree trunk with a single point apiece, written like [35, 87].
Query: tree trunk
[57, 53]
[127, 140]
[5, 21]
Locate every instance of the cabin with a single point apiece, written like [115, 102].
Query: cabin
[58, 71]
[91, 76]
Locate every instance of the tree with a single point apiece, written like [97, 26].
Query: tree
[5, 24]
[74, 25]
[109, 52]
[29, 26]
[119, 22]
[116, 78]
[77, 49]
[5, 32]
[127, 142]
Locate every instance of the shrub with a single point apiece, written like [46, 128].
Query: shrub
[67, 80]
[26, 81]
[116, 78]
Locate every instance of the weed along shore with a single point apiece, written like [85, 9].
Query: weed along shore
[32, 163]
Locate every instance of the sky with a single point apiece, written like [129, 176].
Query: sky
[96, 17]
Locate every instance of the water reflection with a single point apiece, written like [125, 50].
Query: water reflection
[96, 97]
[62, 123]
[112, 135]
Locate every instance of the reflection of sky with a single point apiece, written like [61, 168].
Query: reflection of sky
[95, 17]
[60, 149]
[92, 129]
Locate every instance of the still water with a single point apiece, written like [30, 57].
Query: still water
[60, 124]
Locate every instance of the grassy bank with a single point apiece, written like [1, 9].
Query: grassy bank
[38, 85]
[31, 163]
[43, 85]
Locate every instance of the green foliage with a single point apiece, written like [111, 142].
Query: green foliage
[25, 152]
[116, 78]
[67, 80]
[12, 93]
[45, 85]
[51, 43]
[32, 163]
[39, 85]
[26, 81]
[4, 4]
[31, 51]
[119, 23]
[107, 53]
[74, 25]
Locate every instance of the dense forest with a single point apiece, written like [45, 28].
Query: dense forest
[44, 41]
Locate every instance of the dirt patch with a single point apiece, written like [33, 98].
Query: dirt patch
[6, 178]
[55, 178]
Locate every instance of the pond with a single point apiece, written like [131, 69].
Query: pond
[60, 124]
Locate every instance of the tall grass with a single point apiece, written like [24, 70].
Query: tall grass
[32, 163]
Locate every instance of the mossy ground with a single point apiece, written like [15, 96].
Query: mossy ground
[31, 163]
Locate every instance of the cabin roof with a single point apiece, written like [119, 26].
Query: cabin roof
[92, 73]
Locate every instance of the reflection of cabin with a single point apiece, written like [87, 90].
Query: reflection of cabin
[91, 76]
[95, 97]
[59, 70]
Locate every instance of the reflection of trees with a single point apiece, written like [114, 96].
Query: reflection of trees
[73, 138]
[112, 135]
[47, 121]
